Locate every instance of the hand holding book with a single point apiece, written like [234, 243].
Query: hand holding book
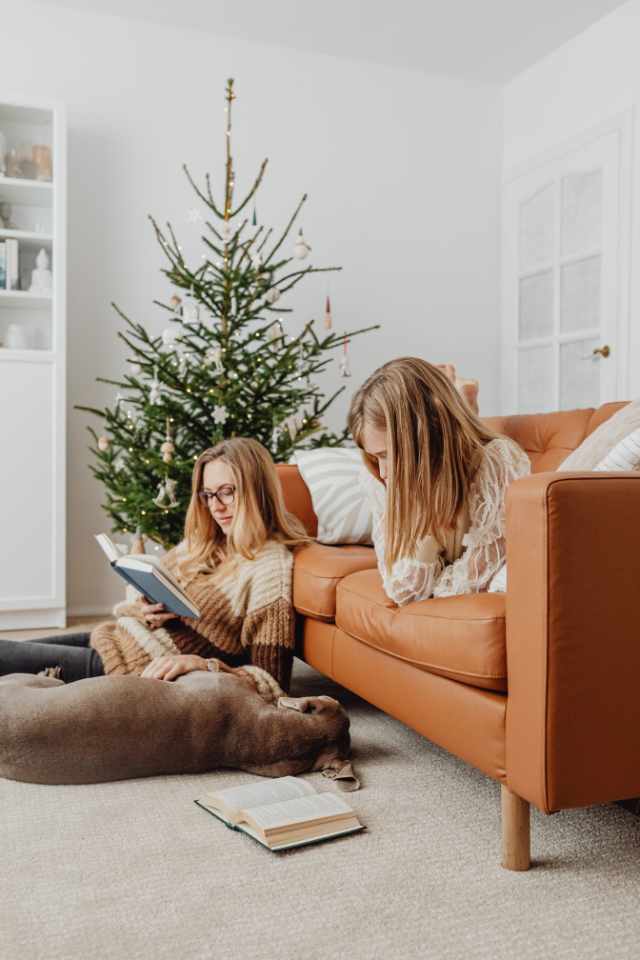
[155, 614]
[150, 578]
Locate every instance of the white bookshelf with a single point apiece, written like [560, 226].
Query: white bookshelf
[32, 379]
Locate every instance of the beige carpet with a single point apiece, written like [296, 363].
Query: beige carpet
[135, 871]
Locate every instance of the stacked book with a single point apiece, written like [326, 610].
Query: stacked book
[9, 265]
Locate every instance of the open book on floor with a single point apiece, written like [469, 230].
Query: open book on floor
[147, 575]
[282, 813]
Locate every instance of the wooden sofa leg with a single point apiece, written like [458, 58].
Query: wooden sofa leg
[516, 835]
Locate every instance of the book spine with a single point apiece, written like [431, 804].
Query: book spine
[12, 265]
[3, 265]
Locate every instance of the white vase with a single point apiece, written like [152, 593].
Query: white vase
[17, 338]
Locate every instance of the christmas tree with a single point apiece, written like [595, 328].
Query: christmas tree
[223, 367]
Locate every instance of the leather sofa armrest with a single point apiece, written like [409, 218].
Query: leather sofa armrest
[296, 495]
[573, 638]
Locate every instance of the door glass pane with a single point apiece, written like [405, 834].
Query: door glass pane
[535, 230]
[535, 306]
[579, 374]
[581, 220]
[535, 380]
[580, 294]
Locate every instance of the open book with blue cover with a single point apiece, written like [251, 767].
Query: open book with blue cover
[146, 574]
[282, 813]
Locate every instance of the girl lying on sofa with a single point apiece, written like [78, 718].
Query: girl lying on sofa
[235, 563]
[439, 529]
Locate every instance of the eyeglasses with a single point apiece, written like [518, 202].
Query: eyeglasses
[224, 495]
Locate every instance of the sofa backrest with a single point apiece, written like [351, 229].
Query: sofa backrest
[549, 438]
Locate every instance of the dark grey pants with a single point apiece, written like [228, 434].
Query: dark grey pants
[71, 653]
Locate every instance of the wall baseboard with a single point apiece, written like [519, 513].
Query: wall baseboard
[90, 612]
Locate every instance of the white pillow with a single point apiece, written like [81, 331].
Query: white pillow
[604, 438]
[337, 481]
[624, 456]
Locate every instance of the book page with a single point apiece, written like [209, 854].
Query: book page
[254, 794]
[320, 806]
[107, 544]
[297, 837]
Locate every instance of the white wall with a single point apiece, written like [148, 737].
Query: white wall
[582, 85]
[402, 170]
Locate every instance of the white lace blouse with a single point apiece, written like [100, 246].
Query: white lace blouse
[426, 572]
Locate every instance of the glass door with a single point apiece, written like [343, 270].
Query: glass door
[562, 281]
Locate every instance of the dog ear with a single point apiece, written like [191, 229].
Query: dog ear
[301, 704]
[343, 772]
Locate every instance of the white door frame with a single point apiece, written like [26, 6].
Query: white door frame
[622, 124]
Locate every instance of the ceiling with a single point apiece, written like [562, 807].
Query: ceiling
[481, 40]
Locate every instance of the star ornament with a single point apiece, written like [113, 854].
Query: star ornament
[220, 414]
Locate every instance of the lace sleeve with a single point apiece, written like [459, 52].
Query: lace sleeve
[410, 578]
[503, 462]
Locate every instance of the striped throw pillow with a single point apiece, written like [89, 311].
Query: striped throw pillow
[624, 456]
[337, 478]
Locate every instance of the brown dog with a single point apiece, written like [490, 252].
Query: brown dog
[113, 728]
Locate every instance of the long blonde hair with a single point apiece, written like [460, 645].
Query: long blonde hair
[260, 512]
[434, 442]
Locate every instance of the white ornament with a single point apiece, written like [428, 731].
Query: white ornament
[214, 356]
[194, 215]
[275, 331]
[227, 232]
[119, 463]
[256, 261]
[103, 443]
[344, 367]
[169, 336]
[133, 419]
[190, 310]
[220, 414]
[301, 248]
[293, 424]
[119, 400]
[272, 296]
[41, 277]
[136, 369]
[183, 364]
[155, 390]
[167, 492]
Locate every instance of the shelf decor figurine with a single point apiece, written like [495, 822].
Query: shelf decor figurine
[41, 277]
[41, 155]
[17, 337]
[13, 167]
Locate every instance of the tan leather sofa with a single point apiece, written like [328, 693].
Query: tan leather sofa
[538, 688]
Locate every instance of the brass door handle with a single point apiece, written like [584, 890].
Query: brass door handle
[602, 351]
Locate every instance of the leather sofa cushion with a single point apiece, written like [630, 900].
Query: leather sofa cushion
[317, 571]
[462, 637]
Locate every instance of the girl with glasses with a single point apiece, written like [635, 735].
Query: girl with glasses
[442, 477]
[234, 563]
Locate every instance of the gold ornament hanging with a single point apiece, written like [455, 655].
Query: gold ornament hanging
[328, 318]
[168, 447]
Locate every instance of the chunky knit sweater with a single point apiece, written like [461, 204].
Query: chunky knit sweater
[246, 616]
